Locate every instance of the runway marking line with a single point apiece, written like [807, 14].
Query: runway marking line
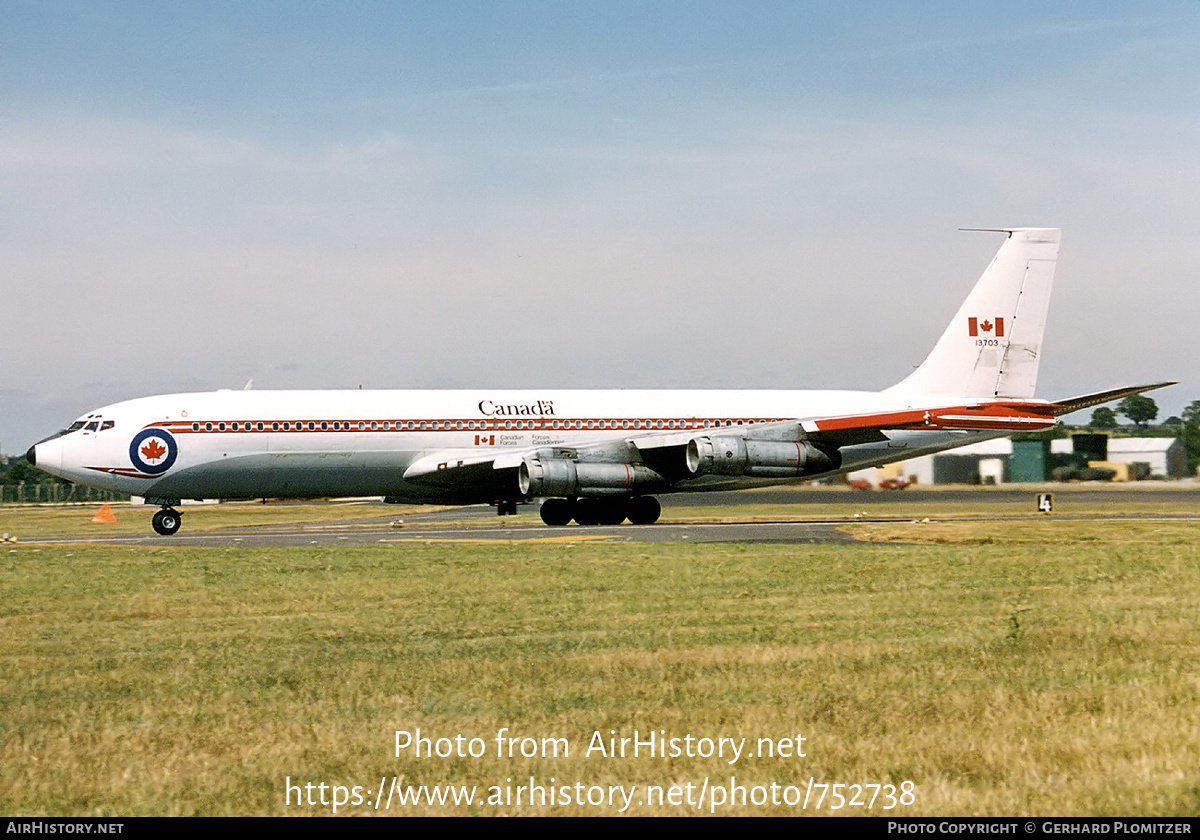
[486, 541]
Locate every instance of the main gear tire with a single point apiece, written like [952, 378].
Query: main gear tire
[167, 521]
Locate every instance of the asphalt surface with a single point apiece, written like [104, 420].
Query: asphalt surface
[396, 524]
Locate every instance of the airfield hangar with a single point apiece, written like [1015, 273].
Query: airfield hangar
[1082, 456]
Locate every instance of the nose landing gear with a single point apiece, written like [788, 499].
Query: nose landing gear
[167, 521]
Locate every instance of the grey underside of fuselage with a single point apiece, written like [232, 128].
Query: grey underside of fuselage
[307, 475]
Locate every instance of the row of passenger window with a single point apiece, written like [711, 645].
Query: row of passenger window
[437, 425]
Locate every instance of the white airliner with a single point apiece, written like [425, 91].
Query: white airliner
[598, 457]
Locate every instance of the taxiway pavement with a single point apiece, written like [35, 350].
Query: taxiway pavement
[387, 524]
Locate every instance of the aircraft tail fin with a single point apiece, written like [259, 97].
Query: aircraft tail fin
[993, 345]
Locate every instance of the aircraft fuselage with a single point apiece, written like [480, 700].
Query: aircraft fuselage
[313, 444]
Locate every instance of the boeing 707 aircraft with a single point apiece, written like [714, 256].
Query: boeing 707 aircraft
[595, 457]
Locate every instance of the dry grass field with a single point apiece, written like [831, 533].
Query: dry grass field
[1033, 667]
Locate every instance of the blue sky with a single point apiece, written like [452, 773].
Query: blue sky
[441, 194]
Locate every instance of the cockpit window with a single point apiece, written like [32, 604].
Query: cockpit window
[107, 424]
[74, 427]
[93, 426]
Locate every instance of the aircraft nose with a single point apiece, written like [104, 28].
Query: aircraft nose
[47, 454]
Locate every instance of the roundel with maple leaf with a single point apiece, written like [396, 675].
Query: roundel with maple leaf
[153, 450]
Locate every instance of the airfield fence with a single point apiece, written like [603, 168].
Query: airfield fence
[32, 493]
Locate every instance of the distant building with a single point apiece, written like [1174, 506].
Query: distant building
[994, 461]
[1165, 456]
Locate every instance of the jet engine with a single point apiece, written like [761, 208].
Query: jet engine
[563, 477]
[728, 455]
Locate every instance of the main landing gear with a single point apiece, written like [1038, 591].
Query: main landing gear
[167, 521]
[640, 510]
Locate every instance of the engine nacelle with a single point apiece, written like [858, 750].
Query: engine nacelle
[727, 455]
[562, 477]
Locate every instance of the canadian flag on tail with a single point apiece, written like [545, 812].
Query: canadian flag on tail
[975, 326]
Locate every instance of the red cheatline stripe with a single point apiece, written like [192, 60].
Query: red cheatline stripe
[985, 416]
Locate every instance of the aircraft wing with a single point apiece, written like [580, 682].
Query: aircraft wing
[466, 476]
[445, 462]
[1010, 415]
[664, 452]
[658, 458]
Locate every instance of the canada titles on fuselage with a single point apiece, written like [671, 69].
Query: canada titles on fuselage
[541, 408]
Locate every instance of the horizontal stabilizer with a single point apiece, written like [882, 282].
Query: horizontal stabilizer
[1062, 407]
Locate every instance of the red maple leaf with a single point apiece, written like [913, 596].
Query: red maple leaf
[153, 450]
[986, 326]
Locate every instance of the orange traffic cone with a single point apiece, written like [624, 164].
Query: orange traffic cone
[104, 515]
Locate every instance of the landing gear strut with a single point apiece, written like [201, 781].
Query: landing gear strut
[167, 521]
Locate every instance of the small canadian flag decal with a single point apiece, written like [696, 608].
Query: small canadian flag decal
[992, 326]
[485, 440]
